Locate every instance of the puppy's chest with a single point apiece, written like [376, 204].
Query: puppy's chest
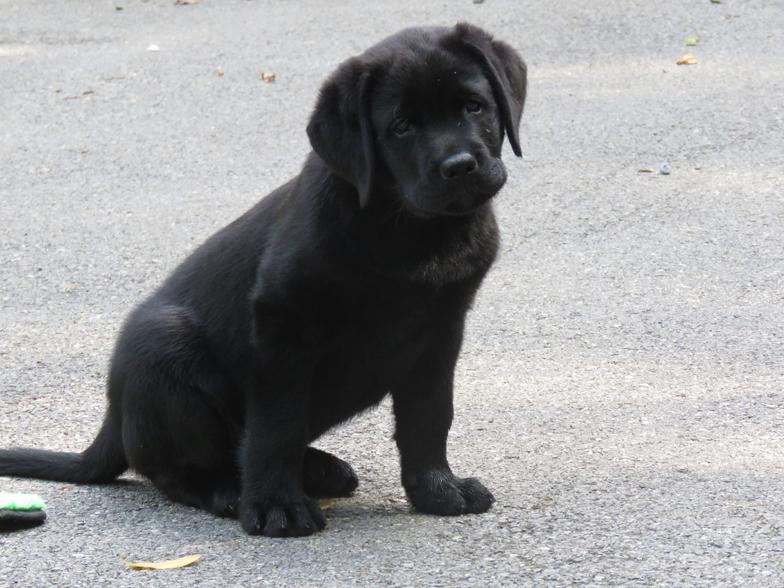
[384, 337]
[369, 347]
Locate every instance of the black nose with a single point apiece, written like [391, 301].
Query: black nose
[457, 165]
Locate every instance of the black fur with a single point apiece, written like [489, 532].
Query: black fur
[348, 283]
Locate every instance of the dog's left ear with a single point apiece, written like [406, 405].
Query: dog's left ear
[506, 72]
[340, 130]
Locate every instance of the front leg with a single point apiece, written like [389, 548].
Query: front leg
[273, 501]
[423, 416]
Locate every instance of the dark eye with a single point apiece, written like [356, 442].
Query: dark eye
[401, 126]
[473, 106]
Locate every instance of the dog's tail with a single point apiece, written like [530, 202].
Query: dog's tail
[101, 462]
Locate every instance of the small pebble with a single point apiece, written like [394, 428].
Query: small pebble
[664, 169]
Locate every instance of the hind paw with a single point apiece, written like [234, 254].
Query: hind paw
[226, 502]
[327, 476]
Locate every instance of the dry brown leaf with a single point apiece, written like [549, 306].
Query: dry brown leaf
[267, 76]
[327, 503]
[687, 59]
[171, 564]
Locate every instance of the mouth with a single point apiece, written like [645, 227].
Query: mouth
[455, 197]
[465, 204]
[468, 203]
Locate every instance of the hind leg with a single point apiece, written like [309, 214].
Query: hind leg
[216, 492]
[179, 424]
[325, 475]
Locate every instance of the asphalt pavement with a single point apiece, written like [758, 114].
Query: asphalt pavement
[621, 388]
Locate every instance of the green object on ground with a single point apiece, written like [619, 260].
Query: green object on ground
[21, 502]
[20, 511]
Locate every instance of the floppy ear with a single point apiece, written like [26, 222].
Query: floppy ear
[506, 72]
[340, 130]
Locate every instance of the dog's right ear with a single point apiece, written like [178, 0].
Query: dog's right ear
[340, 130]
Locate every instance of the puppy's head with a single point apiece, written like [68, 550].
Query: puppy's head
[424, 113]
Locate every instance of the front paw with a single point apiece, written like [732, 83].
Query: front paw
[296, 516]
[439, 492]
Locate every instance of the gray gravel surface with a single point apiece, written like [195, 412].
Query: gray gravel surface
[622, 383]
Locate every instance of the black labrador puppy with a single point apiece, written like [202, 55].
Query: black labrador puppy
[348, 283]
